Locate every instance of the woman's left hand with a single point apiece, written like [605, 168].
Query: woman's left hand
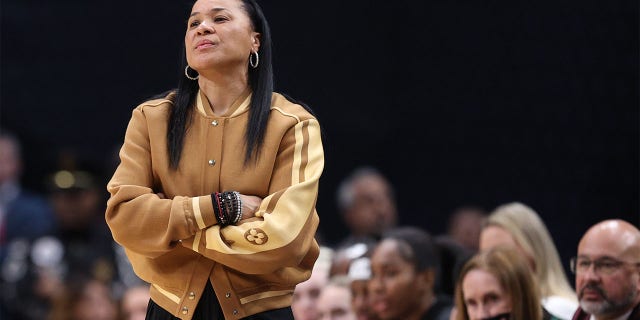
[250, 205]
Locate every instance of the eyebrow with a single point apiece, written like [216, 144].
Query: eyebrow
[214, 10]
[605, 257]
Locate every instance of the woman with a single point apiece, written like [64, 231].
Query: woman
[497, 284]
[305, 296]
[214, 198]
[403, 272]
[334, 301]
[520, 227]
[360, 273]
[133, 303]
[84, 297]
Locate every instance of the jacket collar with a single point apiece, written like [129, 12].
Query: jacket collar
[237, 107]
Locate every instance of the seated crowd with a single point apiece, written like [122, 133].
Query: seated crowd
[503, 265]
[500, 265]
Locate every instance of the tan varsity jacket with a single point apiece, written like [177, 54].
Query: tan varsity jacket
[175, 244]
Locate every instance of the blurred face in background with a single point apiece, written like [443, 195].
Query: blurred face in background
[397, 290]
[360, 300]
[334, 303]
[134, 303]
[373, 208]
[494, 236]
[483, 295]
[95, 303]
[465, 227]
[75, 209]
[306, 294]
[9, 161]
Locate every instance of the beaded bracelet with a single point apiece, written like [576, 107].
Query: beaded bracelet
[227, 207]
[239, 207]
[217, 209]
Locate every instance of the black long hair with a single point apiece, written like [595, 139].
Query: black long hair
[260, 82]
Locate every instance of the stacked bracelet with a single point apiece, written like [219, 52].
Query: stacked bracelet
[227, 207]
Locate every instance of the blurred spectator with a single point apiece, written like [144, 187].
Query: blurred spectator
[359, 274]
[464, 226]
[497, 284]
[24, 216]
[80, 244]
[343, 256]
[404, 270]
[367, 203]
[134, 302]
[334, 302]
[452, 257]
[518, 226]
[306, 293]
[611, 289]
[78, 205]
[458, 245]
[84, 298]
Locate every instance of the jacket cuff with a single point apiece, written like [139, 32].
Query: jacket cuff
[203, 212]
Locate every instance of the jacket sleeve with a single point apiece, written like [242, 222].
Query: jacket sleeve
[283, 231]
[138, 218]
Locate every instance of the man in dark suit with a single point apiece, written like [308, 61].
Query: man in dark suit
[23, 215]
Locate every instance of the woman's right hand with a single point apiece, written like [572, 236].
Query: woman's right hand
[250, 205]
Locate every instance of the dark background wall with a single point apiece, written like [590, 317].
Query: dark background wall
[458, 102]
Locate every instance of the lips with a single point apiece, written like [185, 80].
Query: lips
[205, 44]
[380, 306]
[590, 292]
[591, 295]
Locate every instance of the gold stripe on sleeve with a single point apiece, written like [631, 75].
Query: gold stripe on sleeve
[195, 202]
[304, 153]
[297, 158]
[196, 240]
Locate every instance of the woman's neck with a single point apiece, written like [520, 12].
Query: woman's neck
[422, 307]
[222, 89]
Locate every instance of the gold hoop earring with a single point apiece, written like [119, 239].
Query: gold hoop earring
[251, 62]
[186, 74]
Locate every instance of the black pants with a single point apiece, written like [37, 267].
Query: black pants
[208, 308]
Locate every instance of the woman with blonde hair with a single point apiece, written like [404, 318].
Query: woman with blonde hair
[497, 284]
[519, 226]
